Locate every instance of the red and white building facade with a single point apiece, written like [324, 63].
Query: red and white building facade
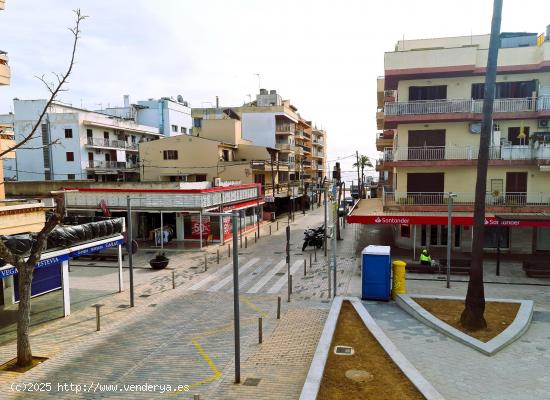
[429, 117]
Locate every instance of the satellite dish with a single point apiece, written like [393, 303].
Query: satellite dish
[180, 98]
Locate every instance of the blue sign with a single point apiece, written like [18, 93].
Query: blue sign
[4, 273]
[95, 249]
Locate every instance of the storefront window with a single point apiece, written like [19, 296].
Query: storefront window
[491, 237]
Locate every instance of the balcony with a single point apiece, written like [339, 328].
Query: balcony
[109, 165]
[111, 144]
[265, 165]
[306, 149]
[285, 129]
[452, 155]
[464, 201]
[384, 139]
[5, 73]
[380, 119]
[462, 109]
[7, 141]
[285, 147]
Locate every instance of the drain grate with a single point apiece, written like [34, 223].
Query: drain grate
[251, 381]
[343, 350]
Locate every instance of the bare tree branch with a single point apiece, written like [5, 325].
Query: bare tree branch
[54, 90]
[54, 143]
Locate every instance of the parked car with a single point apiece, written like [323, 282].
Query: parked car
[349, 201]
[343, 209]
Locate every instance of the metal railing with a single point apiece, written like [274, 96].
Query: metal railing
[507, 199]
[285, 128]
[445, 106]
[119, 144]
[101, 164]
[504, 152]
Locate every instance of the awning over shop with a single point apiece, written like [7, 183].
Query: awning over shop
[372, 214]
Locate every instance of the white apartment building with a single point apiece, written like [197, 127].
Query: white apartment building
[85, 144]
[171, 116]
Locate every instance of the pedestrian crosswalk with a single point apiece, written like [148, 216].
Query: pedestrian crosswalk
[255, 276]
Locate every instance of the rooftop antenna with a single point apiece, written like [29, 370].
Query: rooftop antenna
[259, 85]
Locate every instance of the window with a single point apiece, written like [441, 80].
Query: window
[71, 177]
[89, 133]
[68, 133]
[174, 128]
[492, 235]
[197, 122]
[405, 230]
[225, 155]
[170, 154]
[427, 92]
[200, 178]
[457, 235]
[517, 137]
[506, 90]
[183, 129]
[105, 135]
[69, 156]
[133, 139]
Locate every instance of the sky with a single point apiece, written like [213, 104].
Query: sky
[323, 55]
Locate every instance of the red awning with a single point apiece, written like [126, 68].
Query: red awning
[241, 206]
[441, 219]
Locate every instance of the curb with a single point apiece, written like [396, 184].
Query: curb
[516, 329]
[312, 384]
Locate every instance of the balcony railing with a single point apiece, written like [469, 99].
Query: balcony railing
[432, 153]
[285, 146]
[119, 144]
[266, 164]
[305, 148]
[541, 103]
[101, 164]
[508, 199]
[285, 128]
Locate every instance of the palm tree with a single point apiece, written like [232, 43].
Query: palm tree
[361, 164]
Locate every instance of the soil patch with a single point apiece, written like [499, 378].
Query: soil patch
[499, 316]
[367, 374]
[11, 365]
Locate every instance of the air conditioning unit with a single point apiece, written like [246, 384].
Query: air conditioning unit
[543, 123]
[217, 182]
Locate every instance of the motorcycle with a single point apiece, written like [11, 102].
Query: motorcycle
[314, 237]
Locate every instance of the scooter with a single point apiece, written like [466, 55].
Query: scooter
[314, 237]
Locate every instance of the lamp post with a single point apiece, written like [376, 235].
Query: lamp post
[129, 244]
[236, 316]
[450, 196]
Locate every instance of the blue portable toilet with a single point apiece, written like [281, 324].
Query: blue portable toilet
[376, 273]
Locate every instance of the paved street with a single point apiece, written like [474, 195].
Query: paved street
[183, 337]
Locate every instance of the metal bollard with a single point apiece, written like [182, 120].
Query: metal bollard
[315, 253]
[278, 307]
[205, 263]
[218, 256]
[290, 284]
[277, 226]
[310, 264]
[246, 242]
[255, 237]
[196, 397]
[269, 230]
[305, 267]
[97, 317]
[229, 250]
[241, 241]
[173, 279]
[260, 330]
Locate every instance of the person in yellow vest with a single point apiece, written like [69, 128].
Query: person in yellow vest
[425, 258]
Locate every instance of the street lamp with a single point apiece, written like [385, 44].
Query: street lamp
[450, 197]
[129, 246]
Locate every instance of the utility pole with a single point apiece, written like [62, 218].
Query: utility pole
[236, 316]
[326, 215]
[337, 176]
[359, 186]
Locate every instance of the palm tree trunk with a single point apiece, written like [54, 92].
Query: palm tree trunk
[24, 352]
[472, 317]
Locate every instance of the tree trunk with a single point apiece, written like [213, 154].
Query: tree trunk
[472, 317]
[24, 352]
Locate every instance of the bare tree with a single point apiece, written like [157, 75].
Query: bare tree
[25, 268]
[472, 317]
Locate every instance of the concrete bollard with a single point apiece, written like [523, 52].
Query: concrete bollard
[260, 333]
[315, 253]
[97, 317]
[173, 279]
[229, 250]
[277, 226]
[269, 230]
[278, 307]
[255, 238]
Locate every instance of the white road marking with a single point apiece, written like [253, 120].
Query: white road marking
[284, 279]
[252, 275]
[261, 283]
[228, 278]
[216, 274]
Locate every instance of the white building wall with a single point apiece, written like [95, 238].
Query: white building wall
[259, 128]
[163, 114]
